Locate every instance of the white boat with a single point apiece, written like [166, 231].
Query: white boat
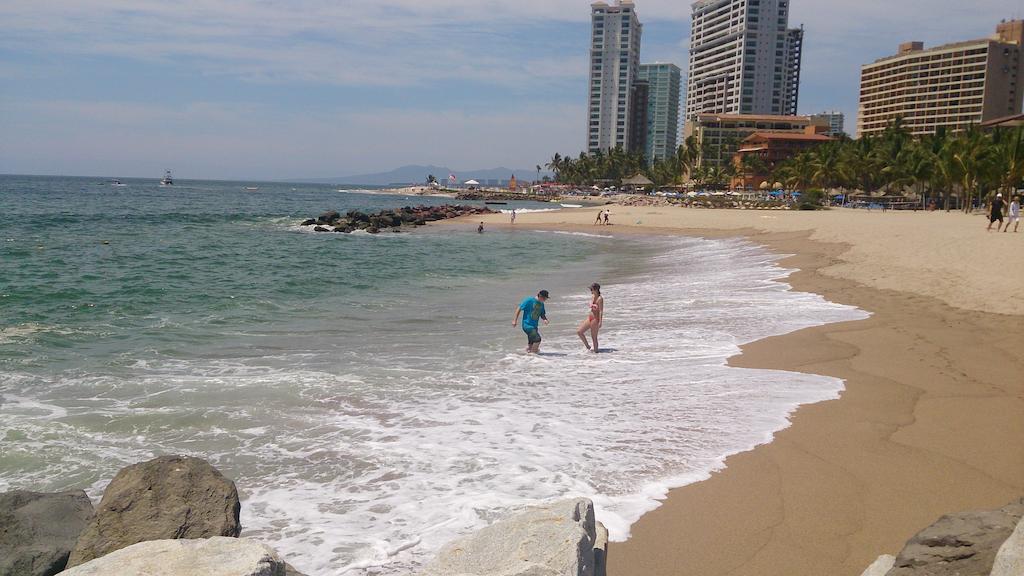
[252, 188]
[571, 205]
[118, 183]
[167, 180]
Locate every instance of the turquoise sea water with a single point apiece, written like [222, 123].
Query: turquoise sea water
[367, 393]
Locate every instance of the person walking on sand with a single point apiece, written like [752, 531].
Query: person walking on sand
[1014, 215]
[532, 310]
[607, 216]
[600, 214]
[595, 316]
[513, 215]
[997, 213]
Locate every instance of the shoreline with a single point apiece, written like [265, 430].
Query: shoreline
[933, 398]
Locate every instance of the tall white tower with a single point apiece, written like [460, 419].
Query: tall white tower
[614, 65]
[744, 58]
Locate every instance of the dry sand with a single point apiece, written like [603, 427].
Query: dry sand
[932, 419]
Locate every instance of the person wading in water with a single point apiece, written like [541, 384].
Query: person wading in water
[595, 316]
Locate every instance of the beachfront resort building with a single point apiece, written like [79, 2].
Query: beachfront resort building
[950, 86]
[719, 136]
[762, 152]
[614, 67]
[664, 83]
[744, 59]
[834, 119]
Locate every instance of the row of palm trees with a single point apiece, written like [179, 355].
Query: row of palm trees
[962, 167]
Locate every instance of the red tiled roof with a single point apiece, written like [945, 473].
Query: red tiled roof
[788, 136]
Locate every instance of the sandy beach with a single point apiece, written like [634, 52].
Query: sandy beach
[931, 421]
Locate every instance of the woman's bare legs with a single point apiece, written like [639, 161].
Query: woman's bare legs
[582, 331]
[595, 326]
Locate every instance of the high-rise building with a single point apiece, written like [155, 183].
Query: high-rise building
[614, 64]
[640, 93]
[950, 86]
[662, 113]
[834, 119]
[744, 59]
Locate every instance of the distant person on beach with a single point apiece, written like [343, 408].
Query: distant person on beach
[600, 214]
[480, 228]
[532, 310]
[513, 215]
[1014, 215]
[595, 316]
[607, 217]
[997, 213]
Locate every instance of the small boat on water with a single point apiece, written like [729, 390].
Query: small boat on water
[117, 183]
[167, 180]
[496, 203]
[252, 188]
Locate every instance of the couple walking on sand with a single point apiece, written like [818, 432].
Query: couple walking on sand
[533, 312]
[996, 214]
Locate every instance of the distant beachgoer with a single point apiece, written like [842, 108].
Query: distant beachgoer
[595, 317]
[513, 216]
[1014, 215]
[607, 216]
[597, 222]
[480, 228]
[533, 312]
[997, 213]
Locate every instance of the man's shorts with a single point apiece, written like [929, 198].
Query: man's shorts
[532, 335]
[995, 217]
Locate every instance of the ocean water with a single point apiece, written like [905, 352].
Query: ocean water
[368, 394]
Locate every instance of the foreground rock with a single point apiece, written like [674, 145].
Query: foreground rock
[209, 557]
[560, 539]
[38, 531]
[1010, 559]
[881, 566]
[392, 220]
[171, 497]
[963, 544]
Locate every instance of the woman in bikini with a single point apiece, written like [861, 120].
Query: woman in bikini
[594, 318]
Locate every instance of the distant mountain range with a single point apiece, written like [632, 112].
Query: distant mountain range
[413, 174]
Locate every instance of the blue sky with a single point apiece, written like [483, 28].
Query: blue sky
[319, 88]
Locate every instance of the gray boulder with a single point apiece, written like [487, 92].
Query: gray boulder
[169, 498]
[38, 531]
[881, 566]
[208, 557]
[1010, 559]
[560, 539]
[963, 544]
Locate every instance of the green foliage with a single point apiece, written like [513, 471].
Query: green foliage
[967, 165]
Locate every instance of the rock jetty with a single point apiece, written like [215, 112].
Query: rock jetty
[393, 220]
[171, 497]
[560, 539]
[975, 543]
[217, 556]
[171, 516]
[38, 531]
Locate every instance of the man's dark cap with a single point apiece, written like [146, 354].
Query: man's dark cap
[544, 294]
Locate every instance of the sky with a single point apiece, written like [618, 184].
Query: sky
[278, 89]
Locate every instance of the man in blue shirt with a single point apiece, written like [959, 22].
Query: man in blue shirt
[533, 312]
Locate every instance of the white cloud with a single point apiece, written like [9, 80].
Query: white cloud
[535, 49]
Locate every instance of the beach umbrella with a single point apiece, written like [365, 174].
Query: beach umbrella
[765, 185]
[778, 186]
[472, 183]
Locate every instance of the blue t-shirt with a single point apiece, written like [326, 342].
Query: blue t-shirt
[533, 311]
